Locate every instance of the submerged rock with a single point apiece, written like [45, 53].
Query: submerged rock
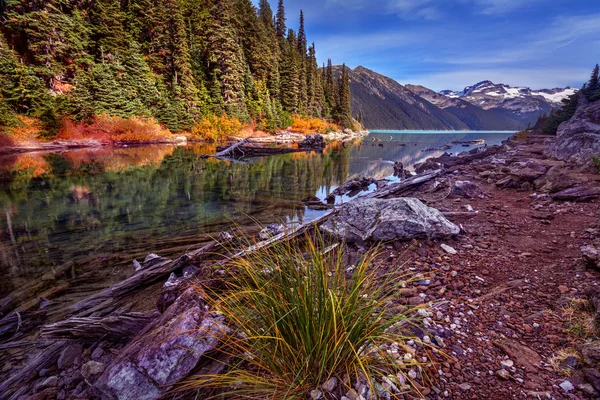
[370, 219]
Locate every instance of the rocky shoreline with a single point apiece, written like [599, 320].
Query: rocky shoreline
[507, 240]
[283, 138]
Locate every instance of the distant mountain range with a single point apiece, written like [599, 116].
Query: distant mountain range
[386, 104]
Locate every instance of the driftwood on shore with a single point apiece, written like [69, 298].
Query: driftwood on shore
[112, 328]
[154, 269]
[398, 189]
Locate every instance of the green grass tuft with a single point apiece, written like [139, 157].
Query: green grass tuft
[300, 317]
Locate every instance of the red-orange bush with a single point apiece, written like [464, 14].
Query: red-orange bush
[135, 129]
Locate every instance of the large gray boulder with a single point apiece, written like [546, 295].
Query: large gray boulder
[369, 219]
[578, 140]
[165, 353]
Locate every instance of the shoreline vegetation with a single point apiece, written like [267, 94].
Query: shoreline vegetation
[145, 72]
[108, 131]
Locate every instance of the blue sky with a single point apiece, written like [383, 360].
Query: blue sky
[449, 44]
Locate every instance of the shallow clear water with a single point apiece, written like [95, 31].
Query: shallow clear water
[100, 209]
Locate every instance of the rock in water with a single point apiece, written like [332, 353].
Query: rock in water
[313, 142]
[578, 139]
[368, 219]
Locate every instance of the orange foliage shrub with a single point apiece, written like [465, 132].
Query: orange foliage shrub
[217, 128]
[136, 129]
[27, 130]
[304, 124]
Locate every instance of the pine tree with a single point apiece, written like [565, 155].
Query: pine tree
[331, 94]
[226, 59]
[290, 82]
[594, 83]
[280, 19]
[108, 32]
[302, 43]
[265, 13]
[344, 115]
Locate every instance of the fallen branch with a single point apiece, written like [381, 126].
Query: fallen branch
[288, 235]
[154, 270]
[91, 329]
[402, 187]
[231, 149]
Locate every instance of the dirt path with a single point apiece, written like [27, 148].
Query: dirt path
[516, 267]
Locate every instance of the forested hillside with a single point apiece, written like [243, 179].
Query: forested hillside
[178, 61]
[590, 92]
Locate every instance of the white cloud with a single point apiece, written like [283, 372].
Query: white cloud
[562, 33]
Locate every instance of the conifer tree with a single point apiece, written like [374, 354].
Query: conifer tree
[331, 94]
[594, 82]
[344, 115]
[302, 43]
[290, 85]
[280, 20]
[265, 13]
[270, 33]
[226, 59]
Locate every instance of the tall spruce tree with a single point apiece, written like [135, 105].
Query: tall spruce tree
[344, 115]
[302, 43]
[280, 20]
[226, 60]
[594, 82]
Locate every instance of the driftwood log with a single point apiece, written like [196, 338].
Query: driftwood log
[231, 149]
[19, 383]
[259, 151]
[398, 189]
[154, 270]
[118, 328]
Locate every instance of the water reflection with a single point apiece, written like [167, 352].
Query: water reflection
[100, 209]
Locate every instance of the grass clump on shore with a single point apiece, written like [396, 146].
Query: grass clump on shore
[305, 324]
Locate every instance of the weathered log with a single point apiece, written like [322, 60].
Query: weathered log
[154, 270]
[287, 235]
[259, 151]
[15, 324]
[404, 186]
[580, 193]
[113, 328]
[14, 345]
[229, 150]
[30, 290]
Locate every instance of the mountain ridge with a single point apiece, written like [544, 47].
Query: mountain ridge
[384, 103]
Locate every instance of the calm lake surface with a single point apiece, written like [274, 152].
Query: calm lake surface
[99, 209]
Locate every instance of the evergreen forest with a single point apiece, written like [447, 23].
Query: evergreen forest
[177, 61]
[590, 92]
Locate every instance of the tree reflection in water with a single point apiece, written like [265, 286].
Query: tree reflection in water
[100, 209]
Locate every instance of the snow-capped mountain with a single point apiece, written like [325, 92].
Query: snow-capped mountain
[522, 101]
